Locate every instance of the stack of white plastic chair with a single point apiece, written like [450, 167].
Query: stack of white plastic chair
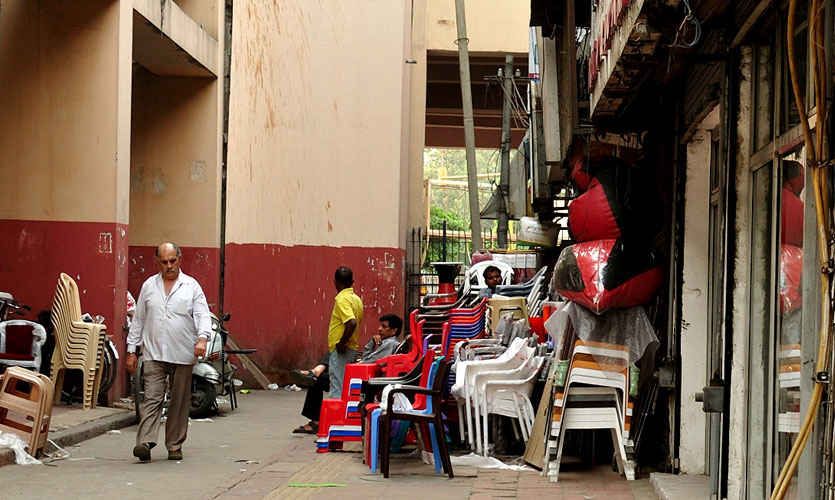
[507, 393]
[593, 395]
[516, 355]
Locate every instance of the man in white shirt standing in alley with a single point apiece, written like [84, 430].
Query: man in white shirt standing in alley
[172, 324]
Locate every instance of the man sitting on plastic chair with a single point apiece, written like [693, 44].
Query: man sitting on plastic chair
[384, 343]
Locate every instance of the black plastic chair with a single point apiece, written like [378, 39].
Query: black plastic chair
[372, 388]
[423, 419]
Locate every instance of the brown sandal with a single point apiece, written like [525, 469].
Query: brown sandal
[308, 428]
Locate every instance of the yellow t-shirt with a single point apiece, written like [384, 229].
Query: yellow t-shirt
[346, 306]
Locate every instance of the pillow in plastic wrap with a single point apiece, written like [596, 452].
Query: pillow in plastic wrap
[603, 274]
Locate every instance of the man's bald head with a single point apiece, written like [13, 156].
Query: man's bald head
[168, 258]
[167, 244]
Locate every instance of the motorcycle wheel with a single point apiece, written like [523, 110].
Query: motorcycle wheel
[203, 396]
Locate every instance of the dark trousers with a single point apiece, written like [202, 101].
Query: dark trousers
[315, 394]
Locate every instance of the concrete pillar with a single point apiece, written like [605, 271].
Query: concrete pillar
[694, 311]
[64, 152]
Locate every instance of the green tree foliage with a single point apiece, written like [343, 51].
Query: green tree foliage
[453, 163]
[454, 222]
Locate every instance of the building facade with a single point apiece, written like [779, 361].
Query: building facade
[272, 141]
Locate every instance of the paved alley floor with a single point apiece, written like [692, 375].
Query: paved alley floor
[251, 454]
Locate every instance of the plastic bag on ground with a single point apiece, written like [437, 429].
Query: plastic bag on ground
[480, 462]
[13, 441]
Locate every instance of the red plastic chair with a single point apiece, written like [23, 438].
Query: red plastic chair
[340, 419]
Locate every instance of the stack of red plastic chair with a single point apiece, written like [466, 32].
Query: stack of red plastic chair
[339, 419]
[611, 265]
[463, 323]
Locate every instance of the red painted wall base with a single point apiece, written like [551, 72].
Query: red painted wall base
[34, 253]
[281, 297]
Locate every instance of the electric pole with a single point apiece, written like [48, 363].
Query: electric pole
[469, 127]
[504, 177]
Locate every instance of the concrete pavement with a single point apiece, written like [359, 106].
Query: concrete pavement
[251, 454]
[218, 455]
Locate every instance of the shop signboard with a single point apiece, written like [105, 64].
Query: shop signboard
[612, 24]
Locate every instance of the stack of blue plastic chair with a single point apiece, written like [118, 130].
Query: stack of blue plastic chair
[463, 323]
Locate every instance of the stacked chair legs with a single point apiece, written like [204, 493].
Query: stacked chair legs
[26, 406]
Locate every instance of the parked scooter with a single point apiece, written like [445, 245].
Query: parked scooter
[211, 375]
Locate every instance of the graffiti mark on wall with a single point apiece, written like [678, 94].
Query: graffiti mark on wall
[105, 244]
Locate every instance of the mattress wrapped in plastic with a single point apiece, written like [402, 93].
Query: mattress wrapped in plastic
[791, 278]
[604, 274]
[592, 217]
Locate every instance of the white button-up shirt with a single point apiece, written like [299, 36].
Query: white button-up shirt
[167, 327]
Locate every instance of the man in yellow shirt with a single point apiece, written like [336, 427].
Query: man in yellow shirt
[343, 331]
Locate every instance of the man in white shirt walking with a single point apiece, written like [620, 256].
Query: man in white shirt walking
[172, 324]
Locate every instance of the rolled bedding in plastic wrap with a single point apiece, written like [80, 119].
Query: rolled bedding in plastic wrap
[626, 327]
[603, 274]
[791, 278]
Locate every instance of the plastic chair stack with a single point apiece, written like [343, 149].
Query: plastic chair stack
[788, 382]
[26, 406]
[78, 345]
[507, 393]
[20, 343]
[532, 290]
[499, 307]
[593, 395]
[465, 388]
[463, 323]
[340, 420]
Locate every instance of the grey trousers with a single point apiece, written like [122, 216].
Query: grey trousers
[179, 402]
[336, 370]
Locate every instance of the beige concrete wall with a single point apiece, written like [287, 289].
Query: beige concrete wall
[204, 13]
[59, 96]
[174, 160]
[316, 123]
[492, 25]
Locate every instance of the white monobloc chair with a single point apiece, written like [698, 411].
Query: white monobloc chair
[463, 390]
[507, 393]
